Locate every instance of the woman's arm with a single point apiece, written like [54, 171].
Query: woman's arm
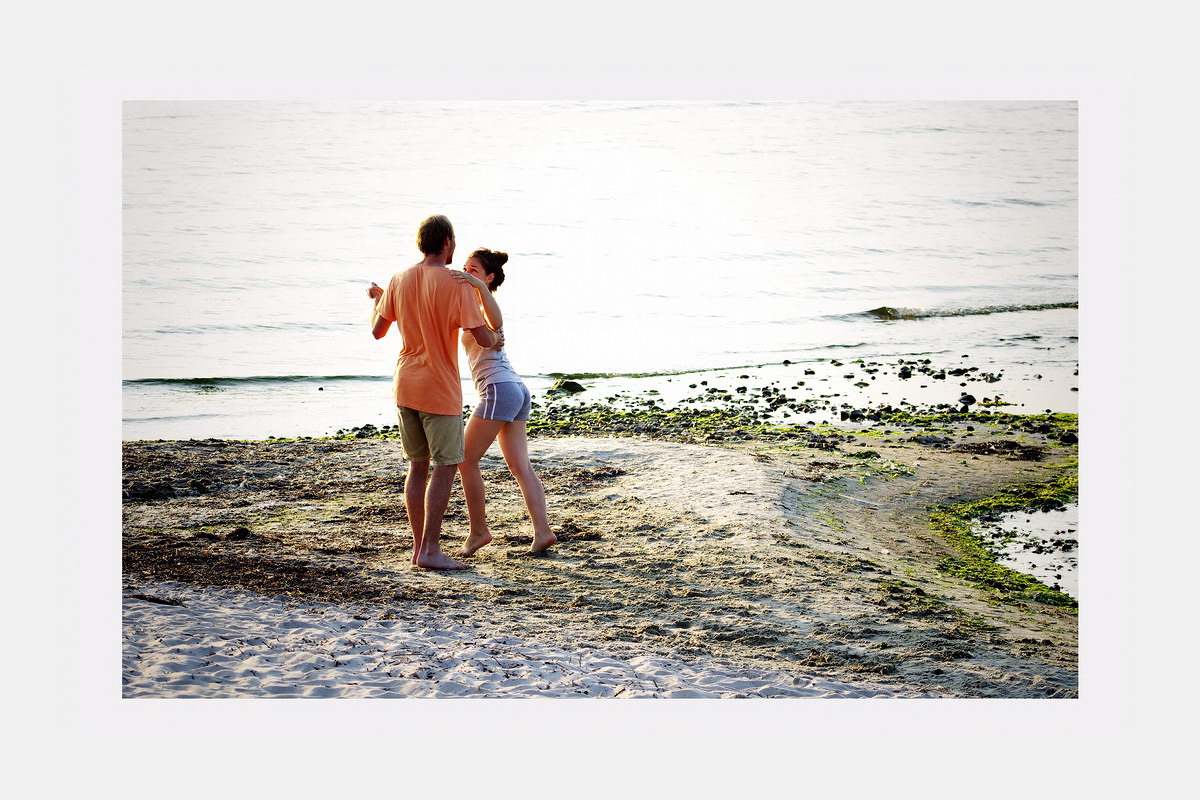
[487, 301]
[491, 309]
[486, 338]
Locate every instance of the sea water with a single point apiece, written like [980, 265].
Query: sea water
[644, 237]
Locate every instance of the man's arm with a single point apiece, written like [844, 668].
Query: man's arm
[379, 325]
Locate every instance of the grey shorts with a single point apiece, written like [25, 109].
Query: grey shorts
[436, 438]
[508, 401]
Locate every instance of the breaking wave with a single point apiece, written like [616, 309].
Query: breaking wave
[890, 313]
[255, 379]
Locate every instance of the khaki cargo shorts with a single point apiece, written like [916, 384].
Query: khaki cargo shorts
[436, 438]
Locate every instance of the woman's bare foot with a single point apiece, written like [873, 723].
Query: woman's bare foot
[439, 561]
[542, 542]
[473, 543]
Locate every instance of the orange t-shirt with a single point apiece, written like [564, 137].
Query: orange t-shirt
[429, 307]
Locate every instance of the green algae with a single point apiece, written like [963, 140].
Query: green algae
[976, 564]
[1054, 422]
[831, 521]
[886, 469]
[601, 420]
[733, 423]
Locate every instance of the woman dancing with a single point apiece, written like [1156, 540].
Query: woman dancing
[504, 405]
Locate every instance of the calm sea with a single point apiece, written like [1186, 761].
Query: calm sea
[644, 237]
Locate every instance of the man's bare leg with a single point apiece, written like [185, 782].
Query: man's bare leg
[414, 501]
[478, 438]
[514, 444]
[437, 497]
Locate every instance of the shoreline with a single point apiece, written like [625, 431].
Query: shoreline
[713, 539]
[824, 390]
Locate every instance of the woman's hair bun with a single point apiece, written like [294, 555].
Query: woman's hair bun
[493, 262]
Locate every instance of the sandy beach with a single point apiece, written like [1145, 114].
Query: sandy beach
[792, 564]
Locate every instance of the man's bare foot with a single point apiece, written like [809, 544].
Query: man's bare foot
[542, 542]
[472, 544]
[438, 561]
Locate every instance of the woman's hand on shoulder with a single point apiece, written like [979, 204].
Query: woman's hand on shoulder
[374, 292]
[466, 277]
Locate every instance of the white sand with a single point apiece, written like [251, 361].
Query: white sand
[234, 644]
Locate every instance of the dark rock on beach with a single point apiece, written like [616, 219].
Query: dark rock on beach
[1021, 452]
[932, 441]
[563, 386]
[163, 601]
[157, 490]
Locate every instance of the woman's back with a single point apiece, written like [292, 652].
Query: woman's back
[487, 366]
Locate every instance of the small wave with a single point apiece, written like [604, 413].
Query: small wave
[1005, 201]
[242, 327]
[200, 383]
[172, 418]
[890, 313]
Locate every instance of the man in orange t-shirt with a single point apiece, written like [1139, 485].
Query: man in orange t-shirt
[429, 307]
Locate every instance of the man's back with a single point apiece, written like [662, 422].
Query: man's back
[429, 307]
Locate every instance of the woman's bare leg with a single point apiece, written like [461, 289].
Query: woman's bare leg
[478, 438]
[514, 444]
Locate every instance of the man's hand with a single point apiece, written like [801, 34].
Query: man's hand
[379, 325]
[499, 341]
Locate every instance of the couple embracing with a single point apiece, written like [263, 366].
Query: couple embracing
[430, 305]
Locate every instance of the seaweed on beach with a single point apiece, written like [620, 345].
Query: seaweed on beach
[689, 425]
[976, 563]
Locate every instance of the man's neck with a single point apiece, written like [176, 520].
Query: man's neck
[433, 261]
